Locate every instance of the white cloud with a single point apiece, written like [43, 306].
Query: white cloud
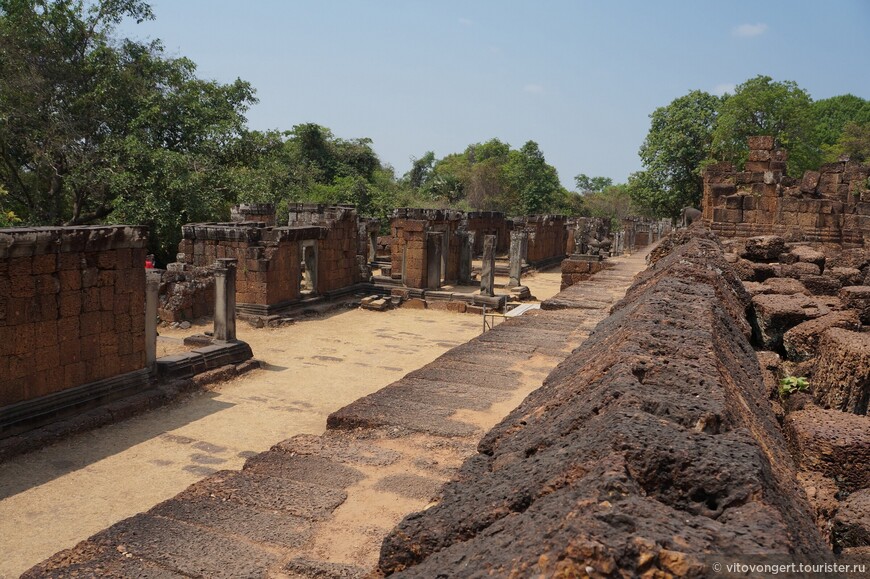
[726, 87]
[533, 89]
[465, 22]
[749, 30]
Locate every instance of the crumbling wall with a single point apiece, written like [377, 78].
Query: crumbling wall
[185, 293]
[337, 251]
[831, 205]
[547, 237]
[410, 228]
[268, 270]
[649, 451]
[483, 223]
[72, 305]
[254, 213]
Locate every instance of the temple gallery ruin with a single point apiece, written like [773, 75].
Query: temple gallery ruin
[688, 398]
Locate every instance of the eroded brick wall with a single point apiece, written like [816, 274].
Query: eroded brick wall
[268, 270]
[547, 236]
[337, 247]
[831, 205]
[484, 223]
[72, 307]
[409, 228]
[254, 213]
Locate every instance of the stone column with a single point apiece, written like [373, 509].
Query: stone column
[518, 239]
[152, 287]
[373, 246]
[434, 241]
[225, 300]
[487, 272]
[466, 251]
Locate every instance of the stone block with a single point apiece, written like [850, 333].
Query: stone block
[763, 248]
[858, 299]
[802, 341]
[759, 155]
[847, 276]
[834, 443]
[800, 270]
[807, 254]
[414, 304]
[851, 524]
[757, 167]
[821, 285]
[842, 376]
[760, 142]
[783, 286]
[774, 315]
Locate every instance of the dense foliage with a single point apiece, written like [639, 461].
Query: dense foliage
[698, 128]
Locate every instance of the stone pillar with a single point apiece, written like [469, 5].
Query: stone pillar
[309, 251]
[225, 300]
[373, 246]
[518, 239]
[487, 271]
[152, 287]
[466, 252]
[434, 241]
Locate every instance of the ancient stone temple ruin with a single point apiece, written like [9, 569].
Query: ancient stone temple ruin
[831, 205]
[316, 254]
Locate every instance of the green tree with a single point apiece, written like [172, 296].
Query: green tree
[586, 184]
[832, 116]
[94, 129]
[762, 106]
[421, 170]
[535, 181]
[678, 142]
[854, 142]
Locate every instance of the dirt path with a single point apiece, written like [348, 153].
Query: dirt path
[56, 497]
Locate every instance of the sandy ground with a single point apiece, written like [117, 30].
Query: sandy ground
[53, 498]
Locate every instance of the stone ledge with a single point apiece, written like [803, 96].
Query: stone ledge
[30, 414]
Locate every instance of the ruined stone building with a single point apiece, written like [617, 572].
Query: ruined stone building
[316, 254]
[831, 205]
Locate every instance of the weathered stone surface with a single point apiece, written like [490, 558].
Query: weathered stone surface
[775, 314]
[834, 443]
[743, 269]
[857, 258]
[802, 341]
[858, 299]
[822, 494]
[179, 547]
[851, 526]
[822, 285]
[637, 438]
[764, 271]
[310, 568]
[765, 248]
[784, 286]
[807, 254]
[799, 270]
[842, 376]
[847, 275]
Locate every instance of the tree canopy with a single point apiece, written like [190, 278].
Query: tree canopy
[762, 106]
[698, 128]
[678, 142]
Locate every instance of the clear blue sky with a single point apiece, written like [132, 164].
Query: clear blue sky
[579, 77]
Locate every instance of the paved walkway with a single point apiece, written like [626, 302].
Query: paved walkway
[321, 505]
